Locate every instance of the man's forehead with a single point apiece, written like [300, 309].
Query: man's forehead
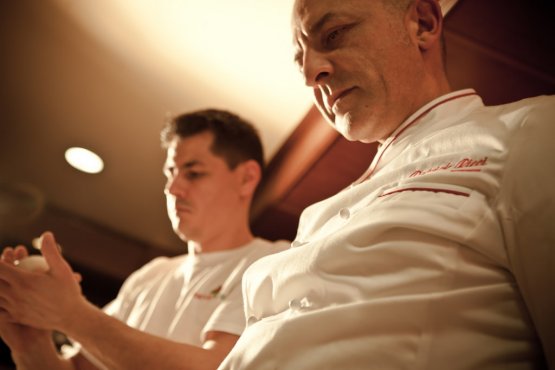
[194, 148]
[308, 15]
[305, 12]
[183, 160]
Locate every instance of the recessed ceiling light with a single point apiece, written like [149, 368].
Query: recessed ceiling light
[84, 160]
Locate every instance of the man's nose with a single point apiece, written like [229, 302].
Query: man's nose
[175, 186]
[316, 67]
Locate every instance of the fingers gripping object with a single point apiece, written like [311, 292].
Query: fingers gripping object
[33, 263]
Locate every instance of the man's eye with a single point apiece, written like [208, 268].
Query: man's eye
[333, 37]
[194, 175]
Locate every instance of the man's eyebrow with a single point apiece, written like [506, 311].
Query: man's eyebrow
[191, 163]
[185, 166]
[316, 27]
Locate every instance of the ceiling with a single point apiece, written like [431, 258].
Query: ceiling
[106, 74]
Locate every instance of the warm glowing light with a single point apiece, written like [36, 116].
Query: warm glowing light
[235, 55]
[447, 5]
[84, 160]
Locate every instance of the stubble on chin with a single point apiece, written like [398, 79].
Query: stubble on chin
[343, 124]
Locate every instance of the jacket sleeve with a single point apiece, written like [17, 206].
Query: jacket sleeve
[528, 192]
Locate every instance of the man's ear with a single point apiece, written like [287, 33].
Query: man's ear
[251, 173]
[430, 23]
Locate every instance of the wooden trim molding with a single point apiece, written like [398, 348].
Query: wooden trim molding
[308, 142]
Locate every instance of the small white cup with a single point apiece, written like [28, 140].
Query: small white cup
[33, 263]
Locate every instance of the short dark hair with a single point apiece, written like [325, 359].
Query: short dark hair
[235, 139]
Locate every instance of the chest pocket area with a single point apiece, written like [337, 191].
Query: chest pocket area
[454, 212]
[427, 194]
[436, 205]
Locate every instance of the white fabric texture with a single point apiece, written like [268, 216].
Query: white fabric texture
[441, 256]
[182, 298]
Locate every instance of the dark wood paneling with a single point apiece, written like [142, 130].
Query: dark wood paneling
[86, 244]
[315, 163]
[505, 49]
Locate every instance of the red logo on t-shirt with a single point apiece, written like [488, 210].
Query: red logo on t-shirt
[214, 293]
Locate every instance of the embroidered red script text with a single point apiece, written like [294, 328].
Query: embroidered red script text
[464, 165]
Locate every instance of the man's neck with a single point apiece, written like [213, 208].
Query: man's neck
[221, 242]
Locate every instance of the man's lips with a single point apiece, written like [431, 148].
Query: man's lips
[181, 207]
[338, 95]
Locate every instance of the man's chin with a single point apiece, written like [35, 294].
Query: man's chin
[344, 126]
[354, 130]
[183, 234]
[181, 230]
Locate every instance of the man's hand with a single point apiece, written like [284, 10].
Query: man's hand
[19, 338]
[44, 300]
[22, 338]
[10, 255]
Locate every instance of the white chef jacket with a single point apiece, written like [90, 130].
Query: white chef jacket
[439, 257]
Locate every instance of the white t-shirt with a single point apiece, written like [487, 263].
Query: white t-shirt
[182, 298]
[439, 257]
